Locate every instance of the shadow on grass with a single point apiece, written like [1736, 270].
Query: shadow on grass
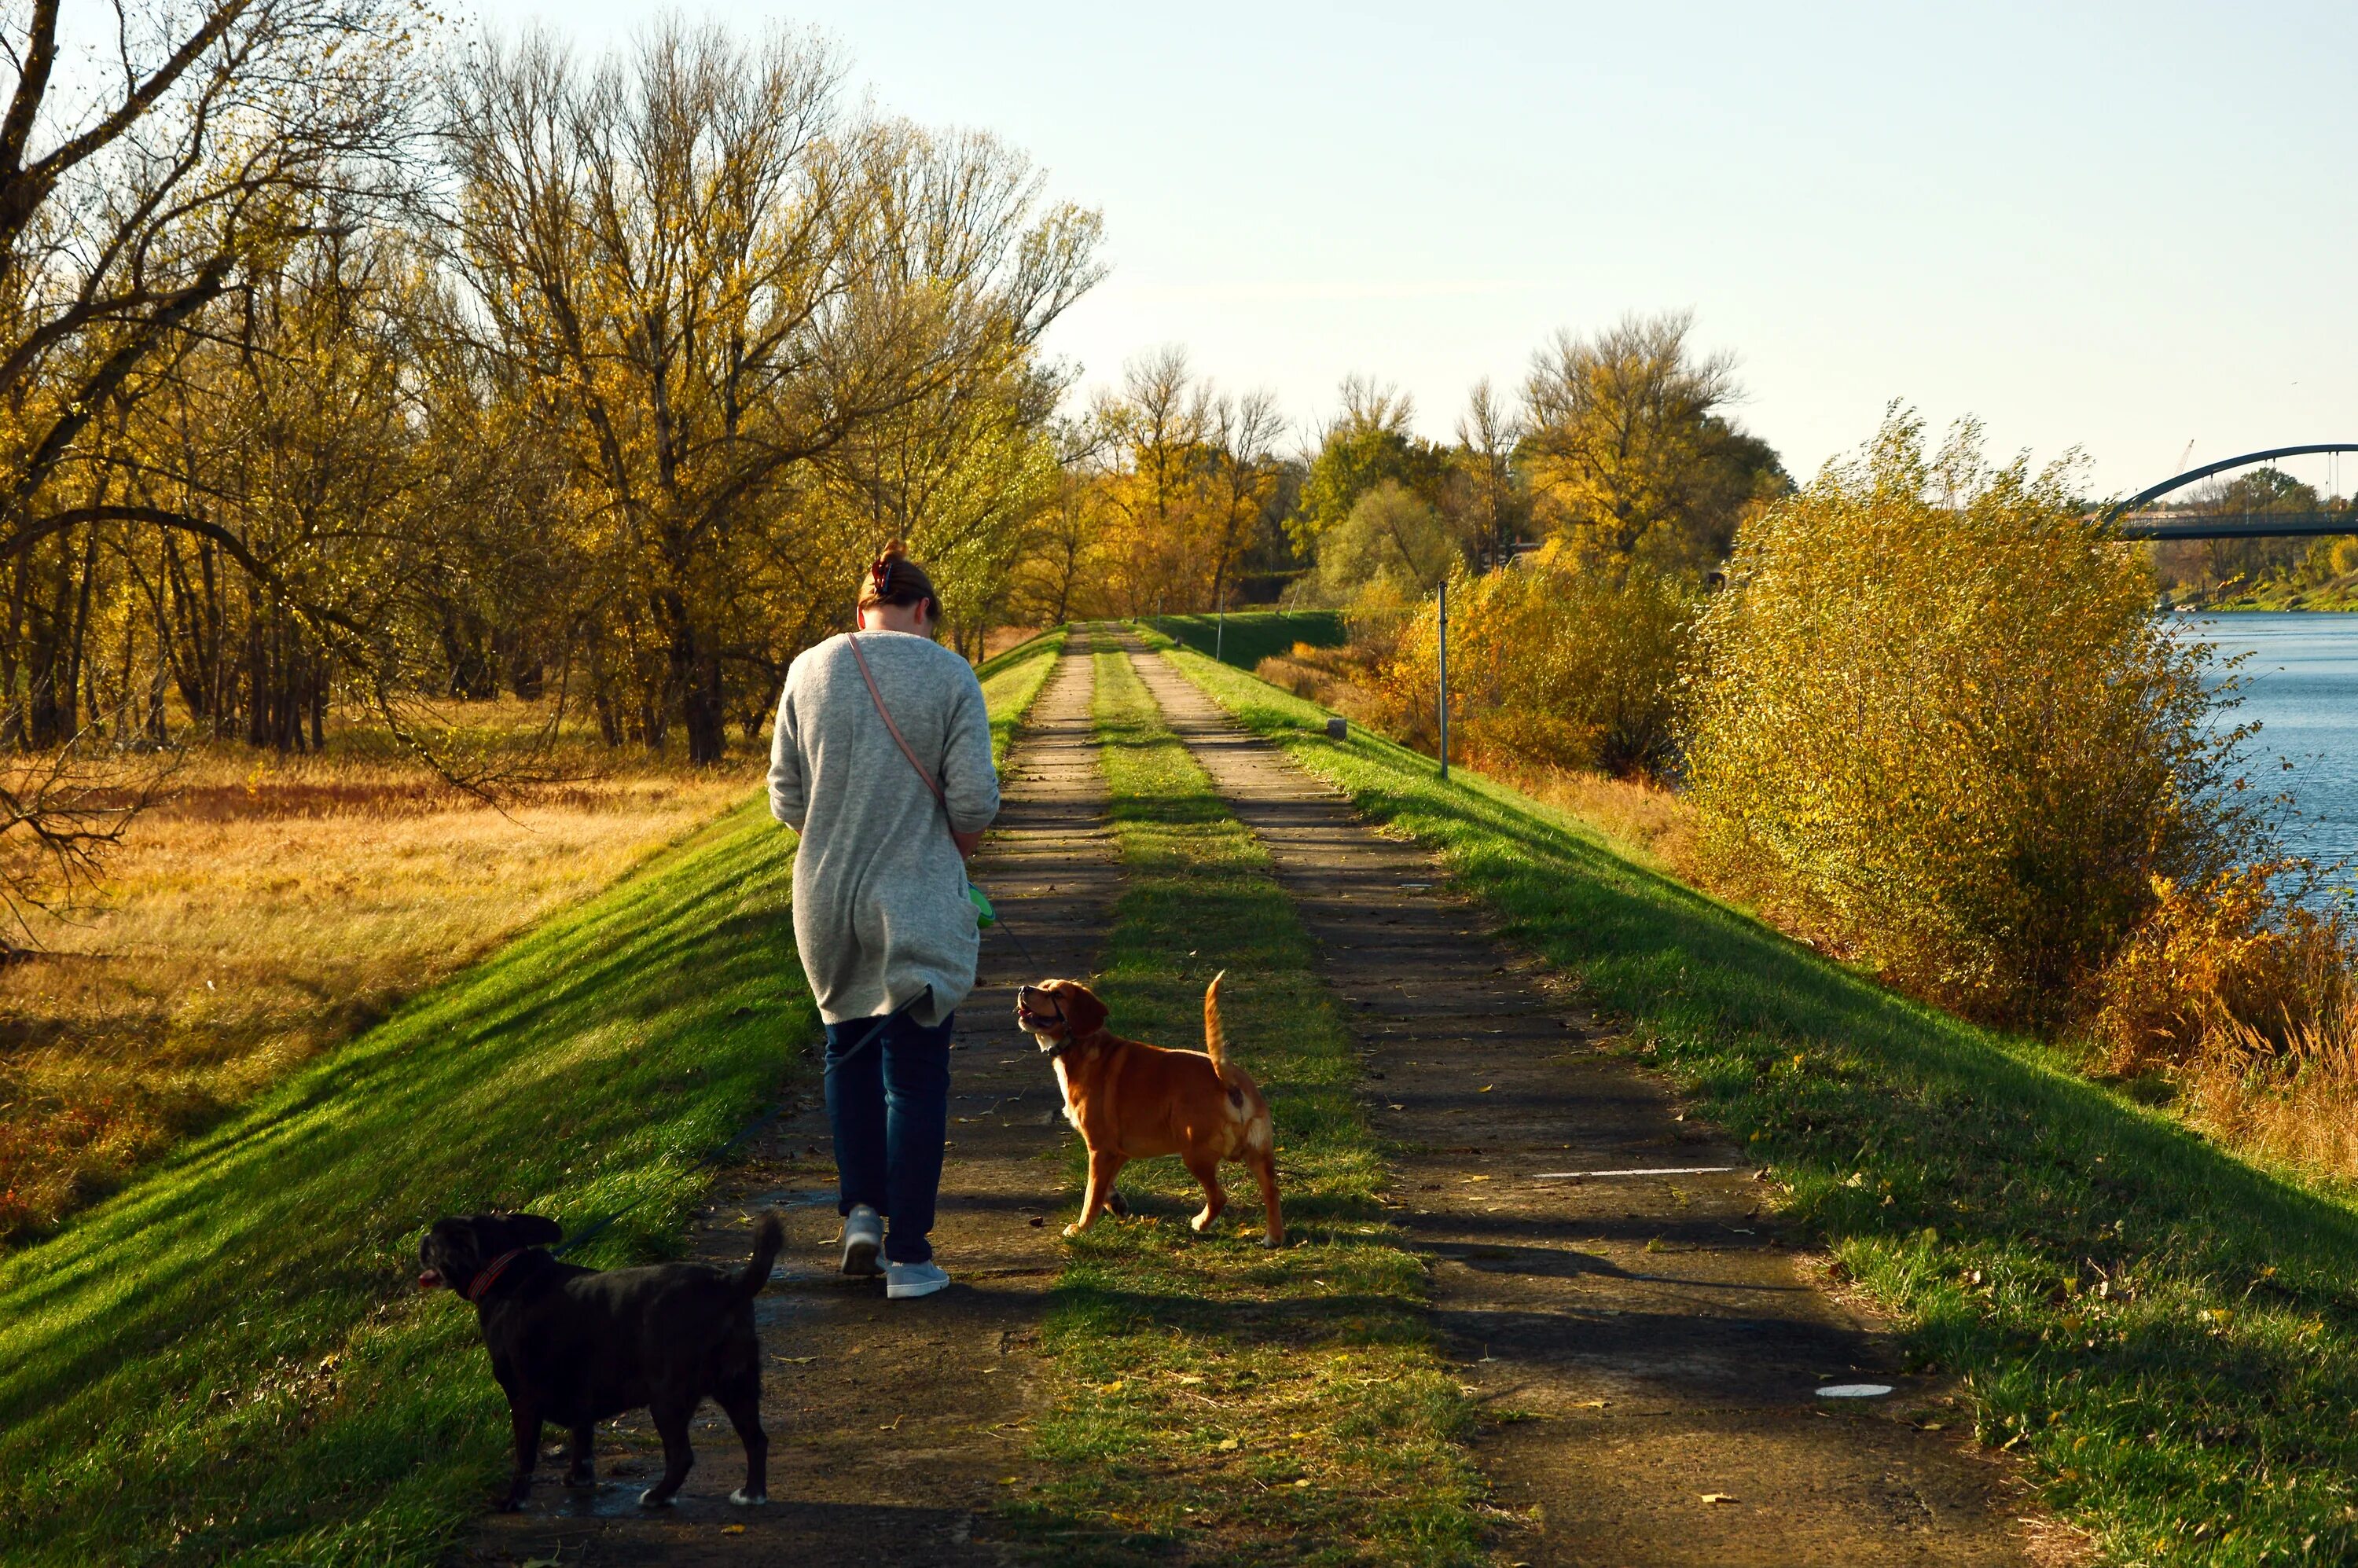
[237, 1328]
[2169, 1332]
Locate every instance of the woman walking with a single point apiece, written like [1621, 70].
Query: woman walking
[881, 762]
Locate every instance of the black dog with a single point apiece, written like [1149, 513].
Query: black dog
[573, 1345]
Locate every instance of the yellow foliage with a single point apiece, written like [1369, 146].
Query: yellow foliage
[1551, 662]
[1940, 729]
[2223, 967]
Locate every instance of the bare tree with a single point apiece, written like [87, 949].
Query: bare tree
[1486, 437]
[1243, 433]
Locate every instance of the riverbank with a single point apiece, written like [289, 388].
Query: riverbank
[2158, 1328]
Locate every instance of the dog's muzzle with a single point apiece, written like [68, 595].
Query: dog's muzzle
[1037, 1024]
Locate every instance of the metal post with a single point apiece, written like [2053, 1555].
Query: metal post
[1221, 631]
[1442, 643]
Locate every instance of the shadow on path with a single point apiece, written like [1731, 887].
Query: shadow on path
[890, 1423]
[1649, 1345]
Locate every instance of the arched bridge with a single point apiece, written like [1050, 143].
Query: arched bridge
[2134, 518]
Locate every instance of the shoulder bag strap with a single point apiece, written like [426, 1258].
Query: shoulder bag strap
[886, 714]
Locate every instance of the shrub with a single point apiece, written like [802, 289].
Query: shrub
[2230, 970]
[1552, 663]
[1940, 730]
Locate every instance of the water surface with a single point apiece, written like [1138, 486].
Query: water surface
[2300, 684]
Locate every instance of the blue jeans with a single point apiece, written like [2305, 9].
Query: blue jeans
[890, 1109]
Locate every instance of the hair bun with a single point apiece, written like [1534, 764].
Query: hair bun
[894, 578]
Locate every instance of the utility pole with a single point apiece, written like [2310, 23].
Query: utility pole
[1442, 643]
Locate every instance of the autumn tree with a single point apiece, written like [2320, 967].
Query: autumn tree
[146, 193]
[1368, 444]
[1486, 490]
[1187, 476]
[1630, 452]
[717, 278]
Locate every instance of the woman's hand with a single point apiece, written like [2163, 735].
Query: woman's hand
[968, 843]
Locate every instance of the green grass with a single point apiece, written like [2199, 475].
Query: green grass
[2164, 1334]
[227, 1360]
[1011, 679]
[1206, 1396]
[1252, 635]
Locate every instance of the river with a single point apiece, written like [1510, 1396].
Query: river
[2301, 686]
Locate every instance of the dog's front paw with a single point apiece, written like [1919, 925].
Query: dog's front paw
[584, 1477]
[652, 1499]
[745, 1499]
[1072, 1230]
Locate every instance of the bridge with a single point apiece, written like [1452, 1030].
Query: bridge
[2134, 519]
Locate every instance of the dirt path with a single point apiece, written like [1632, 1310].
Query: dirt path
[1666, 1340]
[890, 1423]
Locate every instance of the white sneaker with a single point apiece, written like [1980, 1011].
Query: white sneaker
[863, 1238]
[902, 1281]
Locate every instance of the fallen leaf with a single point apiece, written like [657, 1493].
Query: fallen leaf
[1718, 1498]
[1486, 1089]
[798, 1360]
[1594, 1404]
[1228, 1443]
[732, 1529]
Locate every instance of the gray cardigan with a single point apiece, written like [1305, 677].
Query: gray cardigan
[880, 911]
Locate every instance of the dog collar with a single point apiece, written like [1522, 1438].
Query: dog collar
[489, 1276]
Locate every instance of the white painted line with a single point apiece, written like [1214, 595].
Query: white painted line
[1657, 1171]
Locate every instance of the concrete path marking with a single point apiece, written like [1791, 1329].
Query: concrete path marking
[1647, 1343]
[892, 1424]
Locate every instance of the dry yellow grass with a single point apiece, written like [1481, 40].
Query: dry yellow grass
[269, 908]
[2295, 1103]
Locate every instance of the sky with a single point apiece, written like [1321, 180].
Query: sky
[2128, 229]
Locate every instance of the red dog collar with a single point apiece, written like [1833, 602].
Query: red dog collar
[489, 1276]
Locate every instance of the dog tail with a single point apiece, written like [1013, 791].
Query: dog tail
[769, 1241]
[1216, 1034]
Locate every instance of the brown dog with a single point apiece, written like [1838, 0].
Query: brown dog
[1130, 1100]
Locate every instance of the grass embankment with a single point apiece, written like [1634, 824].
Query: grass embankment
[273, 907]
[2165, 1334]
[1011, 680]
[270, 909]
[227, 1360]
[1252, 635]
[1208, 1396]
